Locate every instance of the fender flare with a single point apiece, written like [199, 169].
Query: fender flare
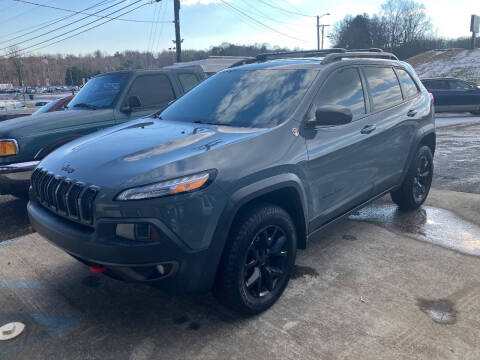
[237, 200]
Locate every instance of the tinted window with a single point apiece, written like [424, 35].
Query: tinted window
[384, 86]
[344, 88]
[460, 85]
[238, 97]
[439, 85]
[100, 91]
[152, 90]
[427, 84]
[188, 81]
[407, 82]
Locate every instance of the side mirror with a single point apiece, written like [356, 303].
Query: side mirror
[133, 102]
[332, 115]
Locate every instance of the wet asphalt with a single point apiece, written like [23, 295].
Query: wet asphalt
[457, 168]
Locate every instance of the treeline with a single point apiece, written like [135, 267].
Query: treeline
[73, 69]
[401, 26]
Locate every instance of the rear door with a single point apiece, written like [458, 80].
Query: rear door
[440, 89]
[188, 81]
[394, 116]
[155, 92]
[342, 160]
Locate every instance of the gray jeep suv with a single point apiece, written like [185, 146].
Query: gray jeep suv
[221, 189]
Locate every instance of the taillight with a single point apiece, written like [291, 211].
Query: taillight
[432, 98]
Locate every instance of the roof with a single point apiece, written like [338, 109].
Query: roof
[211, 65]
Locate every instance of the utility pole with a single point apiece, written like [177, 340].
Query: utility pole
[178, 40]
[323, 33]
[318, 30]
[475, 29]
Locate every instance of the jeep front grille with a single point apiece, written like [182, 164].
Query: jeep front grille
[66, 197]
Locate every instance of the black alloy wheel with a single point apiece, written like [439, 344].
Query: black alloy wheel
[414, 189]
[266, 261]
[258, 259]
[422, 179]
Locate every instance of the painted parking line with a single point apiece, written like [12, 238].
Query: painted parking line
[39, 328]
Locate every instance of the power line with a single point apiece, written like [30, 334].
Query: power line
[261, 13]
[82, 26]
[165, 8]
[283, 9]
[80, 12]
[10, 18]
[53, 22]
[261, 23]
[91, 28]
[154, 18]
[65, 26]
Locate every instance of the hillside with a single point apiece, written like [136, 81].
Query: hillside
[461, 63]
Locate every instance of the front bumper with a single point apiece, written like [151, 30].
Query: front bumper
[125, 260]
[16, 177]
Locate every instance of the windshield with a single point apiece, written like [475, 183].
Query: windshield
[247, 98]
[99, 92]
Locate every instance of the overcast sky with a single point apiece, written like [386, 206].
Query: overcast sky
[205, 22]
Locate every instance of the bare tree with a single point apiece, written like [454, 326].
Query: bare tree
[405, 21]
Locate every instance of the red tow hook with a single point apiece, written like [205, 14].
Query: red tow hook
[97, 269]
[31, 229]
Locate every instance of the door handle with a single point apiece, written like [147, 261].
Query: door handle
[368, 129]
[411, 113]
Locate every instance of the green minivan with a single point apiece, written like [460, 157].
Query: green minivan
[106, 100]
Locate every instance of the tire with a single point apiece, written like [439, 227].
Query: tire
[477, 113]
[415, 187]
[257, 261]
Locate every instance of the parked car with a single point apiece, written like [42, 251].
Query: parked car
[223, 186]
[55, 105]
[106, 100]
[454, 95]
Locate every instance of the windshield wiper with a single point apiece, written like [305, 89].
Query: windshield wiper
[84, 105]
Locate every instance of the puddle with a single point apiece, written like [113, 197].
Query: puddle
[430, 224]
[440, 311]
[303, 271]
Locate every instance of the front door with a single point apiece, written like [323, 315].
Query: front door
[466, 97]
[154, 93]
[341, 159]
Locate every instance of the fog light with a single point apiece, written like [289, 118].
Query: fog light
[161, 269]
[137, 232]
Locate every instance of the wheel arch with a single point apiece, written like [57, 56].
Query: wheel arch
[430, 140]
[285, 190]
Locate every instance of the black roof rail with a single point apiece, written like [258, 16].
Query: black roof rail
[300, 54]
[361, 54]
[374, 50]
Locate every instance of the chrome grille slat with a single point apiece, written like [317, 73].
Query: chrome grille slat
[64, 196]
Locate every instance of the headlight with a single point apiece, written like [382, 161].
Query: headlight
[170, 187]
[8, 147]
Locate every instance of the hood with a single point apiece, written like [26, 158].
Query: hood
[25, 125]
[143, 151]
